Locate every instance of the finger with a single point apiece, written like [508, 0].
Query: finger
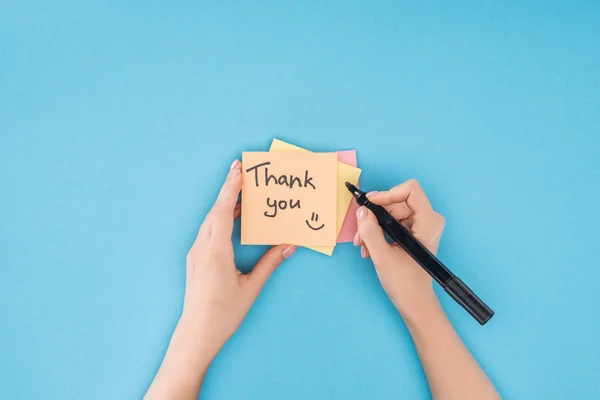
[223, 212]
[371, 234]
[409, 192]
[357, 241]
[407, 223]
[399, 211]
[205, 230]
[428, 230]
[267, 265]
[364, 252]
[237, 211]
[424, 223]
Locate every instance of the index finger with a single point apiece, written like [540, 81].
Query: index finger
[409, 192]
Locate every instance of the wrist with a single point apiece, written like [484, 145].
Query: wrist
[189, 353]
[421, 309]
[197, 341]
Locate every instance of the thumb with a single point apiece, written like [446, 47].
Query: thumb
[267, 264]
[372, 235]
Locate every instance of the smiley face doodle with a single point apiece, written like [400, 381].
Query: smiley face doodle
[314, 218]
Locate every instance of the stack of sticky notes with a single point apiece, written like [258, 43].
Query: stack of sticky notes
[294, 196]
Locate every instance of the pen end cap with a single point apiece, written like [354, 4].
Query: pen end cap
[464, 296]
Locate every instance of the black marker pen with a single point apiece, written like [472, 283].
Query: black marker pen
[434, 267]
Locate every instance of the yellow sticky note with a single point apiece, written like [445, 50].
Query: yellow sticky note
[289, 197]
[346, 173]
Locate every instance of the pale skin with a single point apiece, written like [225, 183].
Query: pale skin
[218, 296]
[451, 370]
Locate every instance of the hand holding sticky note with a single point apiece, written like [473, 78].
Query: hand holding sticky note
[289, 197]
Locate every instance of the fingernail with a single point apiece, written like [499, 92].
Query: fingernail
[238, 205]
[355, 241]
[361, 213]
[288, 251]
[234, 165]
[371, 194]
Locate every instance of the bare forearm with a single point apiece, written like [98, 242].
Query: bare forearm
[217, 297]
[183, 369]
[451, 370]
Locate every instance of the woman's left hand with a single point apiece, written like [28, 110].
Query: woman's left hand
[217, 296]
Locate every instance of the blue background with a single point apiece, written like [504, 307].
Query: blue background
[118, 122]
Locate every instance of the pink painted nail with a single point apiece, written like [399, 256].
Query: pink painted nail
[361, 213]
[356, 238]
[288, 251]
[234, 165]
[235, 173]
[371, 194]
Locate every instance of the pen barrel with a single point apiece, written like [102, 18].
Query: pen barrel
[412, 246]
[464, 296]
[456, 288]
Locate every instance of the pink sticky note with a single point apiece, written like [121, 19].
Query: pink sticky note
[349, 226]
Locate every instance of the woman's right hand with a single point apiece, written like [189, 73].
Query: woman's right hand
[408, 286]
[451, 370]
